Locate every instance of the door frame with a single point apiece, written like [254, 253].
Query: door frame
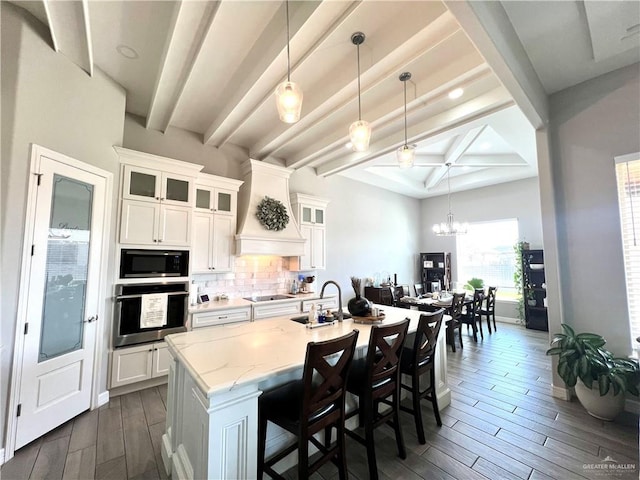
[100, 334]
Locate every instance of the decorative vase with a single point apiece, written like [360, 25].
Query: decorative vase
[605, 407]
[358, 306]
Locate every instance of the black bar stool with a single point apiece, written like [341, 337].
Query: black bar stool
[308, 406]
[419, 360]
[374, 380]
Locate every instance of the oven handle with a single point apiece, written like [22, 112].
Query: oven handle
[124, 297]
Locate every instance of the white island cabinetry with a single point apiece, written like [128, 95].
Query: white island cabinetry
[217, 375]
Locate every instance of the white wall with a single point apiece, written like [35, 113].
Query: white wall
[591, 124]
[49, 101]
[520, 199]
[369, 230]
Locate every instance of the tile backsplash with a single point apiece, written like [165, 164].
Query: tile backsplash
[252, 276]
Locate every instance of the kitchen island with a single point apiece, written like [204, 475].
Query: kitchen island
[217, 375]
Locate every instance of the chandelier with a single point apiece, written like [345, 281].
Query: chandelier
[450, 228]
[288, 93]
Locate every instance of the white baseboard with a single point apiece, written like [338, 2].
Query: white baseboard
[513, 321]
[103, 398]
[1, 456]
[562, 393]
[632, 406]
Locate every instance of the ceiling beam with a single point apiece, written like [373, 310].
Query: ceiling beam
[419, 45]
[489, 102]
[489, 28]
[70, 31]
[454, 153]
[256, 87]
[189, 27]
[390, 118]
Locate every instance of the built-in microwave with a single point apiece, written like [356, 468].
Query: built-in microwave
[153, 263]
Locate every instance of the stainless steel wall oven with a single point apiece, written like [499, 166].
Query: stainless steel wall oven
[131, 323]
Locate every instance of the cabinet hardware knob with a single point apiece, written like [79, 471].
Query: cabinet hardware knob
[159, 240]
[150, 350]
[157, 198]
[155, 240]
[221, 317]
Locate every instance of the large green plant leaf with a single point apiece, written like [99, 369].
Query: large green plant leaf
[569, 332]
[603, 384]
[591, 338]
[555, 351]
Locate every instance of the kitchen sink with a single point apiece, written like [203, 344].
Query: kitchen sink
[304, 319]
[266, 298]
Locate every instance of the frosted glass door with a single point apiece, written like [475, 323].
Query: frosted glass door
[66, 268]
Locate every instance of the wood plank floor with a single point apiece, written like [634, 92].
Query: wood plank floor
[501, 424]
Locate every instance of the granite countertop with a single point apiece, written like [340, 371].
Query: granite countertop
[241, 302]
[223, 358]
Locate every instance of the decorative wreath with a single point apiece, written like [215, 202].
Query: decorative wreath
[272, 214]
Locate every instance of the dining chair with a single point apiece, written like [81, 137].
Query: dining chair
[455, 311]
[418, 360]
[490, 308]
[398, 293]
[471, 317]
[375, 380]
[418, 289]
[313, 404]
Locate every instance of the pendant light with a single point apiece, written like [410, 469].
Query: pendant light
[406, 153]
[289, 94]
[360, 131]
[449, 228]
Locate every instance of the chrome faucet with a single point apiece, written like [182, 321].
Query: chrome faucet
[339, 313]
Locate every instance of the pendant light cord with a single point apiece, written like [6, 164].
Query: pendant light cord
[405, 113]
[359, 102]
[288, 52]
[449, 187]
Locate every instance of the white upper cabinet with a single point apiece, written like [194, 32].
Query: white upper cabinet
[214, 224]
[157, 199]
[150, 185]
[216, 200]
[310, 213]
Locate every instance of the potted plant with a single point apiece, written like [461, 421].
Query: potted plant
[600, 379]
[474, 283]
[531, 298]
[518, 249]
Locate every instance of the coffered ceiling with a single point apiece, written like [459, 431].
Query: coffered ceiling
[212, 68]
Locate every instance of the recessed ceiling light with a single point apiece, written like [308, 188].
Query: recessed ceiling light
[456, 93]
[127, 52]
[348, 145]
[485, 145]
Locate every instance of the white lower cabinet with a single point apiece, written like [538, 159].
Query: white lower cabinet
[269, 310]
[139, 363]
[220, 317]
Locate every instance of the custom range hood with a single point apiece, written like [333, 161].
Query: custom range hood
[265, 180]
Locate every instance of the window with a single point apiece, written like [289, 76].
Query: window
[628, 176]
[486, 252]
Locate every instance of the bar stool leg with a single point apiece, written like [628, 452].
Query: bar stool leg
[402, 453]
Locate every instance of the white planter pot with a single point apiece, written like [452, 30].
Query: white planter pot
[605, 408]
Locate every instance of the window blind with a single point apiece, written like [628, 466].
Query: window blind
[628, 181]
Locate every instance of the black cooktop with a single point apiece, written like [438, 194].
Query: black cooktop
[266, 298]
